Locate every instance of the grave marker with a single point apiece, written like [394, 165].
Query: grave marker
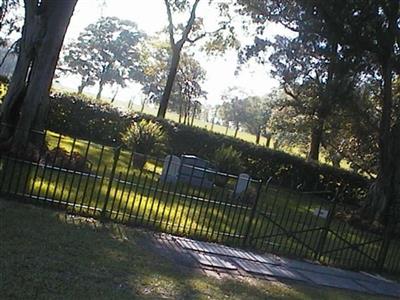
[171, 168]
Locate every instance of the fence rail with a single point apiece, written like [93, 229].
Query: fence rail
[115, 184]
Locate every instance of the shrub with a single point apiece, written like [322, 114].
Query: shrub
[145, 137]
[228, 160]
[60, 157]
[85, 118]
[102, 123]
[3, 87]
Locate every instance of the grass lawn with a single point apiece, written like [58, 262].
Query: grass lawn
[139, 198]
[50, 255]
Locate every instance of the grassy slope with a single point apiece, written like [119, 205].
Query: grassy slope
[53, 256]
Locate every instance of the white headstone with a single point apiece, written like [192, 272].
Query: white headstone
[320, 212]
[242, 183]
[170, 169]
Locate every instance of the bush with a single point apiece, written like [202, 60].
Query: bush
[3, 87]
[228, 160]
[59, 157]
[145, 137]
[102, 123]
[85, 118]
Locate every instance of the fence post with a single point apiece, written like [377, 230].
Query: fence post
[248, 234]
[117, 152]
[326, 228]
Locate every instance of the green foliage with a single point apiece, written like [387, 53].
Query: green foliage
[86, 118]
[144, 136]
[104, 124]
[106, 52]
[228, 160]
[3, 87]
[188, 81]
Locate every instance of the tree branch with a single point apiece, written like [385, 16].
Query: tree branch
[189, 25]
[192, 41]
[170, 24]
[289, 92]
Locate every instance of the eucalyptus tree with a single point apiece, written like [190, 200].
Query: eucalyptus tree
[26, 102]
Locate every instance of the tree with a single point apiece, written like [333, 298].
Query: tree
[26, 102]
[289, 124]
[366, 29]
[187, 84]
[312, 69]
[106, 52]
[191, 32]
[232, 110]
[257, 112]
[372, 28]
[176, 47]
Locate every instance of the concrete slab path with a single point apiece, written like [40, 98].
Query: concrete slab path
[238, 262]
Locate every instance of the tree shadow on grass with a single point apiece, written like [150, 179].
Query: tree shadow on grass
[50, 255]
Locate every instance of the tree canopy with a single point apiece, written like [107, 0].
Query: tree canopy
[105, 53]
[358, 31]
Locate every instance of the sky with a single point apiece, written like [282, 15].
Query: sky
[150, 16]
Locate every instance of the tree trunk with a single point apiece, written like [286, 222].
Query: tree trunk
[268, 143]
[213, 119]
[82, 86]
[142, 107]
[173, 68]
[185, 109]
[180, 110]
[187, 112]
[258, 136]
[226, 129]
[176, 49]
[80, 89]
[101, 85]
[194, 113]
[316, 138]
[385, 190]
[26, 104]
[236, 130]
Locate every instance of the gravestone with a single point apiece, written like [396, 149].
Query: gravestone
[242, 184]
[320, 212]
[170, 169]
[196, 171]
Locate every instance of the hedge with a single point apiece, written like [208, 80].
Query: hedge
[100, 122]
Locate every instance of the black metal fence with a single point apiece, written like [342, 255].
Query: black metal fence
[170, 196]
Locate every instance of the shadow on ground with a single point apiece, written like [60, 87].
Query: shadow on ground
[47, 255]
